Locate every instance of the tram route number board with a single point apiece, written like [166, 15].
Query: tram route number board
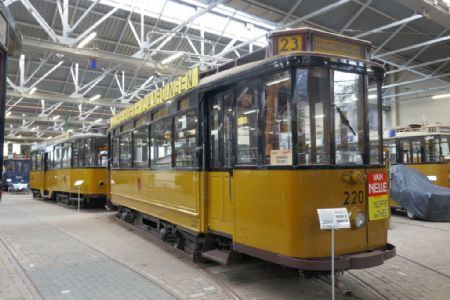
[333, 218]
[378, 195]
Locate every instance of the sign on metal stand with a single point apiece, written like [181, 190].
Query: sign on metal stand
[78, 184]
[332, 219]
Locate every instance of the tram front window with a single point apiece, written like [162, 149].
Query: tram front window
[277, 130]
[312, 119]
[373, 119]
[349, 118]
[247, 124]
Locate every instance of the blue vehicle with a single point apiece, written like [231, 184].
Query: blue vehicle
[16, 177]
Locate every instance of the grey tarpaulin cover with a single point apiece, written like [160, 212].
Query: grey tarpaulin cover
[415, 192]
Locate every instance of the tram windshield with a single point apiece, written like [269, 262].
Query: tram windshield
[292, 117]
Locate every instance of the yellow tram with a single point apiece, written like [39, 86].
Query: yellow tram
[424, 148]
[59, 163]
[239, 159]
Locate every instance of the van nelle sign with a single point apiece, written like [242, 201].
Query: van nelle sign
[378, 195]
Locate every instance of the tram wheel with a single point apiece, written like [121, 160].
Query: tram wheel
[410, 215]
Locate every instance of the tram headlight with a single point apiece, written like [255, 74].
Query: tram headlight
[360, 219]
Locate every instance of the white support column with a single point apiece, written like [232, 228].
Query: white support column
[46, 74]
[353, 18]
[40, 20]
[95, 25]
[394, 24]
[86, 12]
[424, 44]
[41, 64]
[22, 70]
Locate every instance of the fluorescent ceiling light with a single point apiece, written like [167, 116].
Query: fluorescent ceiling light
[440, 96]
[49, 138]
[19, 136]
[70, 130]
[278, 81]
[172, 58]
[23, 115]
[55, 117]
[98, 120]
[319, 116]
[8, 113]
[95, 97]
[250, 112]
[87, 40]
[372, 96]
[32, 91]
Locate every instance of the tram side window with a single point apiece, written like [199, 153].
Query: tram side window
[312, 117]
[417, 152]
[89, 152]
[432, 149]
[392, 146]
[185, 139]
[101, 152]
[349, 118]
[277, 129]
[375, 134]
[140, 140]
[445, 149]
[25, 167]
[10, 167]
[125, 150]
[78, 153]
[39, 164]
[33, 161]
[161, 143]
[115, 152]
[57, 157]
[66, 155]
[406, 154]
[247, 114]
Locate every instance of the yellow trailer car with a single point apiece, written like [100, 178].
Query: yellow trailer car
[59, 163]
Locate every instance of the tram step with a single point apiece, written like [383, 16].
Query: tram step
[223, 257]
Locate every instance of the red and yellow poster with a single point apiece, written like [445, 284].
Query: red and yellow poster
[378, 195]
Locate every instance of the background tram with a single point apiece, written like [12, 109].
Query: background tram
[424, 148]
[58, 164]
[239, 161]
[16, 174]
[10, 42]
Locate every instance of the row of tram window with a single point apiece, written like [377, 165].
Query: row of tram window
[422, 149]
[78, 153]
[294, 117]
[19, 166]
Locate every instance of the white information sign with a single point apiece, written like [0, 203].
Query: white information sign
[78, 182]
[333, 218]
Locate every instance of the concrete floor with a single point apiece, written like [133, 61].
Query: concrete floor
[52, 252]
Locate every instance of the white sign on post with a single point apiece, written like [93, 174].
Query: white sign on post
[333, 218]
[78, 182]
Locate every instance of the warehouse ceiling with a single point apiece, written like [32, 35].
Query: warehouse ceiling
[84, 60]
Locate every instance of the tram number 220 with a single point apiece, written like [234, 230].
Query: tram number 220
[353, 197]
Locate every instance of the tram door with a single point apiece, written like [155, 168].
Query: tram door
[220, 173]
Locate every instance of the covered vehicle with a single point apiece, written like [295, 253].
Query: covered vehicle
[418, 195]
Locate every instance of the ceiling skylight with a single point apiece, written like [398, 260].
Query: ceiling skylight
[222, 20]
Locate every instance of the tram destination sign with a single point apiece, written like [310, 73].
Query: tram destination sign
[180, 85]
